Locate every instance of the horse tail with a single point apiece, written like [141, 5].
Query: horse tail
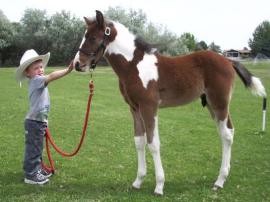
[249, 80]
[253, 83]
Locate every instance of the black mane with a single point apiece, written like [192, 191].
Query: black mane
[141, 44]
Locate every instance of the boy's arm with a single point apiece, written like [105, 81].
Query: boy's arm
[58, 74]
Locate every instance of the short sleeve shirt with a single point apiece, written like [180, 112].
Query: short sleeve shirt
[39, 98]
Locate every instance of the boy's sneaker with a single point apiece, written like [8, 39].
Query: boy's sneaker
[45, 172]
[38, 178]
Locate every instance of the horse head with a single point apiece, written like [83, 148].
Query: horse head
[97, 36]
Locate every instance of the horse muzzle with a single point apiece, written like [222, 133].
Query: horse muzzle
[77, 67]
[81, 68]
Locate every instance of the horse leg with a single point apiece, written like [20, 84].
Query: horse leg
[226, 132]
[218, 99]
[140, 142]
[149, 114]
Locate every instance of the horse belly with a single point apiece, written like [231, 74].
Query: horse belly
[172, 98]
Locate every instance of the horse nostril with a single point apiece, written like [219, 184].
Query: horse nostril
[77, 66]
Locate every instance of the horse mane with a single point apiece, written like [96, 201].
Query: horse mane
[141, 44]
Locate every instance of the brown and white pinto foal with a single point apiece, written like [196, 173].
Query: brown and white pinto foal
[148, 81]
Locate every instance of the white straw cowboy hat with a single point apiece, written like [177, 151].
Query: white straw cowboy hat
[29, 57]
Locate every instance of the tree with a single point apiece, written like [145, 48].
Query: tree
[162, 39]
[134, 20]
[59, 34]
[261, 39]
[201, 46]
[213, 47]
[65, 34]
[62, 33]
[189, 40]
[5, 31]
[166, 41]
[6, 37]
[178, 47]
[34, 33]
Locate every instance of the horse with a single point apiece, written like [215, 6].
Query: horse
[149, 81]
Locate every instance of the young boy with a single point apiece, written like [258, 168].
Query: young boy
[32, 67]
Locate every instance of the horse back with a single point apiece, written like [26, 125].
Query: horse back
[185, 78]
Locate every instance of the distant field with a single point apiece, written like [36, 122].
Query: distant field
[106, 166]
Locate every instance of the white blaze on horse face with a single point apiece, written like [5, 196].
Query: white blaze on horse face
[123, 43]
[148, 69]
[77, 56]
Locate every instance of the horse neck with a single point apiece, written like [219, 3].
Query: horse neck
[119, 64]
[120, 52]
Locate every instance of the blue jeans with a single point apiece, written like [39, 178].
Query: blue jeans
[34, 136]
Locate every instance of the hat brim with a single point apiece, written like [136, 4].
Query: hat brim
[20, 75]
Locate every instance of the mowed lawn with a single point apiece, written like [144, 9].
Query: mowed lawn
[106, 166]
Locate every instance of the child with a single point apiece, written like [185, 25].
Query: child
[32, 67]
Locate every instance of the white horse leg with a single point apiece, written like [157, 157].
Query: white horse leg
[227, 140]
[154, 148]
[140, 142]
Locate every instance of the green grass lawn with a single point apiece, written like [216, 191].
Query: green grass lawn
[106, 166]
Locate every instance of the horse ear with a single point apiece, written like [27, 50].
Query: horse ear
[87, 21]
[100, 19]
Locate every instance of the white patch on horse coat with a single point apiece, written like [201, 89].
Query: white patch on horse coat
[147, 69]
[123, 43]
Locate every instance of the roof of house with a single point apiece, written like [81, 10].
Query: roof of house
[240, 51]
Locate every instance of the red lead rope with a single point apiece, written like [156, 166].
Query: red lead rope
[49, 138]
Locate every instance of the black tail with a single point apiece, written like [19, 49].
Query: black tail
[243, 73]
[250, 81]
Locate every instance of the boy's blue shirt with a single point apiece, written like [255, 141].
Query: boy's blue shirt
[39, 99]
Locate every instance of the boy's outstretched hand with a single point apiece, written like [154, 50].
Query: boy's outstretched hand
[70, 66]
[58, 74]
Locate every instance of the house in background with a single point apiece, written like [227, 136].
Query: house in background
[237, 54]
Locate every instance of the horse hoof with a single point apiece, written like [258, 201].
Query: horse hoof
[158, 193]
[216, 188]
[136, 186]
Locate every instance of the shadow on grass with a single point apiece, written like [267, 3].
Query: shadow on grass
[12, 185]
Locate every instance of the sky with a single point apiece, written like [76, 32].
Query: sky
[227, 23]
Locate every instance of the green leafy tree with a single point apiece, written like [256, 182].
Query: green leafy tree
[5, 31]
[61, 34]
[260, 43]
[65, 34]
[161, 37]
[178, 47]
[14, 52]
[135, 20]
[213, 47]
[189, 40]
[34, 32]
[201, 46]
[6, 37]
[166, 41]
